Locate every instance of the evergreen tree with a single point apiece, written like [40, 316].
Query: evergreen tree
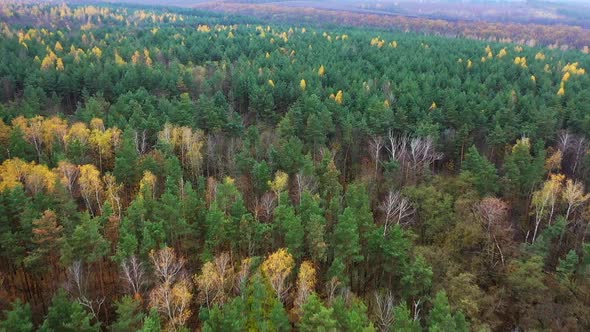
[316, 317]
[481, 172]
[68, 316]
[18, 319]
[129, 315]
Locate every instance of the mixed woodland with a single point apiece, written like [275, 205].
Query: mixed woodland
[178, 170]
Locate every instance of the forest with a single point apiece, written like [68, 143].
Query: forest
[171, 169]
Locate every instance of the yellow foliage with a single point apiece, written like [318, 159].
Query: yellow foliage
[561, 91]
[573, 69]
[339, 98]
[303, 84]
[136, 57]
[553, 163]
[322, 71]
[203, 28]
[566, 77]
[119, 60]
[277, 268]
[279, 183]
[306, 280]
[146, 55]
[59, 64]
[386, 103]
[433, 106]
[502, 53]
[12, 172]
[58, 47]
[539, 56]
[97, 52]
[148, 182]
[521, 61]
[469, 64]
[271, 83]
[533, 78]
[48, 61]
[393, 44]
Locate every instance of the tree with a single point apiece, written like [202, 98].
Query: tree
[86, 243]
[215, 281]
[346, 239]
[126, 160]
[277, 268]
[573, 195]
[172, 295]
[151, 323]
[68, 316]
[306, 280]
[442, 319]
[129, 315]
[351, 315]
[91, 188]
[545, 199]
[396, 209]
[290, 224]
[47, 235]
[403, 320]
[316, 317]
[18, 319]
[133, 273]
[482, 173]
[523, 170]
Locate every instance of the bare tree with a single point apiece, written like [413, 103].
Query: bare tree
[331, 288]
[414, 155]
[493, 213]
[172, 295]
[383, 309]
[167, 266]
[416, 310]
[304, 182]
[133, 273]
[396, 209]
[267, 205]
[376, 143]
[77, 286]
[574, 149]
[140, 142]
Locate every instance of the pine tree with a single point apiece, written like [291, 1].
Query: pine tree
[482, 173]
[67, 316]
[316, 317]
[129, 315]
[18, 319]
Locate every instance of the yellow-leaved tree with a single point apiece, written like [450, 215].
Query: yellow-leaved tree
[277, 268]
[306, 280]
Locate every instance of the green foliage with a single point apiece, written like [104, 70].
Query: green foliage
[86, 243]
[18, 319]
[129, 315]
[68, 316]
[351, 317]
[403, 320]
[316, 317]
[481, 172]
[441, 317]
